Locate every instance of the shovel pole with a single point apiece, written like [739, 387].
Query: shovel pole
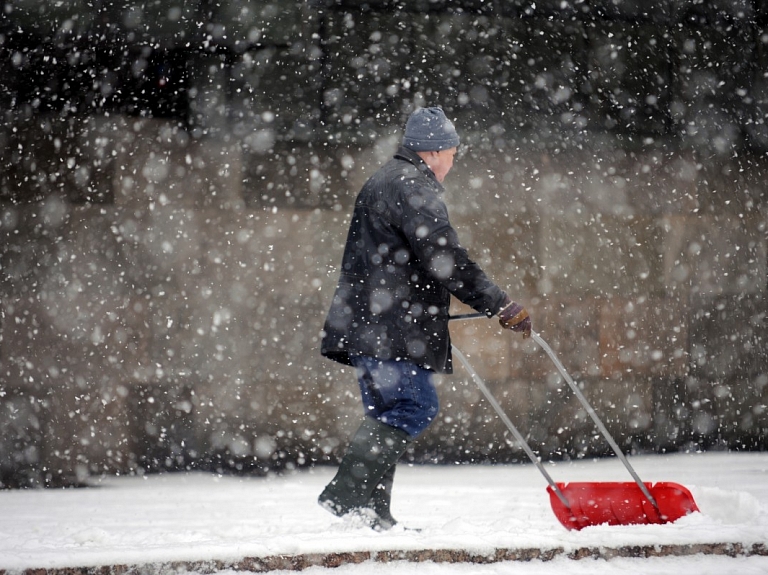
[580, 396]
[583, 400]
[503, 416]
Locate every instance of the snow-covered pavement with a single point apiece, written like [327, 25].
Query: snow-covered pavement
[195, 518]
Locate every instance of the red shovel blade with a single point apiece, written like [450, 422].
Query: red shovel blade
[617, 503]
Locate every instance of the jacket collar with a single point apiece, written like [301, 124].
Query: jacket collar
[409, 155]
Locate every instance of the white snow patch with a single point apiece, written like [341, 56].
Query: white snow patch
[199, 517]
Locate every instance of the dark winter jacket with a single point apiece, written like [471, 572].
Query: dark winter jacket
[401, 262]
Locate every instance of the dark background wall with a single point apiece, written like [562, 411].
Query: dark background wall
[175, 182]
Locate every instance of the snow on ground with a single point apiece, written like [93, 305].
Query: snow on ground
[197, 517]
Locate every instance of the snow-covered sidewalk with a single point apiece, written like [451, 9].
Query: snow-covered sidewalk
[196, 518]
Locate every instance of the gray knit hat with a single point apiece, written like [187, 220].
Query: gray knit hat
[428, 130]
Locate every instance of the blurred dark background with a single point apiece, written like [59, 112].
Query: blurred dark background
[175, 183]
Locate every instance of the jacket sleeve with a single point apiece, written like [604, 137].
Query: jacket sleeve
[436, 244]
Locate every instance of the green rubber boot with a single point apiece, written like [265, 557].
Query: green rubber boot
[373, 452]
[381, 499]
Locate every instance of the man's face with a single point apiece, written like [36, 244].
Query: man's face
[441, 162]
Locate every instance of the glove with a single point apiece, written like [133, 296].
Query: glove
[515, 317]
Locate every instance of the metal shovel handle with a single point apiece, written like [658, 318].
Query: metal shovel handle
[580, 396]
[503, 416]
[583, 400]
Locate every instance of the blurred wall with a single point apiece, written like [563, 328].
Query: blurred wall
[175, 184]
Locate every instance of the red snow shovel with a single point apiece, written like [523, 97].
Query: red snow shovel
[582, 504]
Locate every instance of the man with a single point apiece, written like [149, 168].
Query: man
[389, 315]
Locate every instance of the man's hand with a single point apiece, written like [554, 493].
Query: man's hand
[515, 317]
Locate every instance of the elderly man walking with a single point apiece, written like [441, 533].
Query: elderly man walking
[389, 315]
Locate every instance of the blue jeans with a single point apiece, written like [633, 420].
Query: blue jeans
[398, 393]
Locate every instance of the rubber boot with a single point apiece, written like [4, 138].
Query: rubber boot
[374, 450]
[381, 499]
